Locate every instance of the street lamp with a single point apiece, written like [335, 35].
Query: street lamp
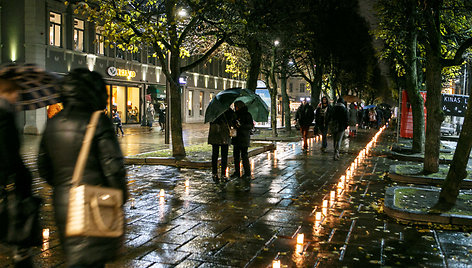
[276, 42]
[182, 13]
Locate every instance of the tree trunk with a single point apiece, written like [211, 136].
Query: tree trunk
[285, 103]
[458, 170]
[414, 96]
[178, 149]
[433, 84]
[316, 86]
[255, 53]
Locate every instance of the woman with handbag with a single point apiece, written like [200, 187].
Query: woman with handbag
[219, 137]
[83, 93]
[12, 171]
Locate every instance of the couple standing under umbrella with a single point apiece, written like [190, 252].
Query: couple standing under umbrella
[220, 136]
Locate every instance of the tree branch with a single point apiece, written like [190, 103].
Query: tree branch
[458, 59]
[205, 56]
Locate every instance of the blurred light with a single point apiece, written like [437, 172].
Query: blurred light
[276, 264]
[187, 183]
[182, 13]
[162, 193]
[276, 42]
[46, 234]
[299, 249]
[300, 238]
[133, 205]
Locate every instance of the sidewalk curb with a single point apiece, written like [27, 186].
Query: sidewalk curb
[171, 161]
[414, 158]
[419, 217]
[422, 180]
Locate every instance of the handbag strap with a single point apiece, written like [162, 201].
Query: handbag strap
[85, 149]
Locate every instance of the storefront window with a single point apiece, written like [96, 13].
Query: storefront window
[190, 102]
[133, 106]
[119, 102]
[200, 100]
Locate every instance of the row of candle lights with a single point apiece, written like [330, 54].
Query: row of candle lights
[340, 189]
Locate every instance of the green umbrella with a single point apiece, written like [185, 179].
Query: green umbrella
[223, 100]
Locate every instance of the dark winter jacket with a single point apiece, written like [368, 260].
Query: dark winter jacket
[352, 115]
[12, 168]
[244, 124]
[340, 117]
[305, 115]
[219, 129]
[59, 149]
[322, 119]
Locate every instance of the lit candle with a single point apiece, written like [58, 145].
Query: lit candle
[299, 249]
[132, 203]
[46, 234]
[300, 238]
[162, 193]
[276, 264]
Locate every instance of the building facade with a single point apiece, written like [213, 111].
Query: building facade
[49, 34]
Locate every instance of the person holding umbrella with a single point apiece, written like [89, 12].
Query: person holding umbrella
[219, 137]
[22, 87]
[244, 124]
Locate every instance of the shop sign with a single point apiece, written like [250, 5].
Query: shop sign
[455, 105]
[113, 71]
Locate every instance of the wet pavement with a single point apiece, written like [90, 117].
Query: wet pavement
[256, 222]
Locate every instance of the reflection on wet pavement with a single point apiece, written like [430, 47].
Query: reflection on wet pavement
[300, 209]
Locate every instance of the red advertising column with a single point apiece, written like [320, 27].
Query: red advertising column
[406, 123]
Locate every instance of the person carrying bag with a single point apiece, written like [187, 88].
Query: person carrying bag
[88, 213]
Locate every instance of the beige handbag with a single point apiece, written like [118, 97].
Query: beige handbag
[93, 210]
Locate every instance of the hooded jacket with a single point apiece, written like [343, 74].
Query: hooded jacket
[83, 92]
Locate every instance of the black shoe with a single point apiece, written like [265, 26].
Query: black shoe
[235, 175]
[215, 178]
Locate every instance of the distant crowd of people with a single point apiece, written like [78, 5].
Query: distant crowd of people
[336, 119]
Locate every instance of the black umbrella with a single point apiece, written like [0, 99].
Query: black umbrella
[38, 88]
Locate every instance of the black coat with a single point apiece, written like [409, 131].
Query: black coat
[58, 153]
[219, 129]
[322, 122]
[12, 168]
[305, 115]
[244, 124]
[340, 117]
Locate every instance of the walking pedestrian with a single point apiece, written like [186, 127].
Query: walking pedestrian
[162, 118]
[243, 124]
[352, 120]
[12, 169]
[372, 118]
[150, 115]
[339, 125]
[83, 92]
[322, 118]
[218, 137]
[305, 116]
[118, 124]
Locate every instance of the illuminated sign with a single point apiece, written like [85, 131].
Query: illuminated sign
[113, 71]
